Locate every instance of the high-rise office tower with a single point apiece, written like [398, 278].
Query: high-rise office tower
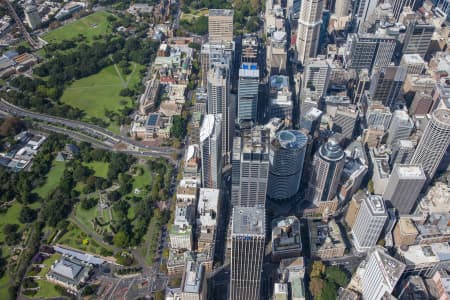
[248, 92]
[317, 76]
[398, 5]
[402, 152]
[369, 51]
[327, 167]
[254, 167]
[344, 121]
[249, 50]
[219, 103]
[32, 16]
[236, 169]
[364, 9]
[400, 128]
[287, 153]
[369, 222]
[381, 274]
[247, 252]
[433, 143]
[386, 84]
[276, 57]
[220, 26]
[417, 37]
[342, 8]
[308, 32]
[211, 151]
[404, 186]
[362, 85]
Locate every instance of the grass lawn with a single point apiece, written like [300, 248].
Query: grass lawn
[142, 180]
[89, 26]
[4, 285]
[46, 290]
[10, 217]
[48, 263]
[194, 14]
[99, 92]
[74, 237]
[100, 168]
[53, 178]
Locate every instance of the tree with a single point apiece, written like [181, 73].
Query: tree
[336, 275]
[27, 215]
[328, 292]
[318, 268]
[370, 187]
[159, 295]
[316, 285]
[88, 203]
[120, 239]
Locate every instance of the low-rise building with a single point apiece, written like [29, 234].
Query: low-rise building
[69, 272]
[325, 239]
[207, 218]
[286, 241]
[425, 260]
[405, 232]
[193, 284]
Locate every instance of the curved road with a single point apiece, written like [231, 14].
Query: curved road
[107, 138]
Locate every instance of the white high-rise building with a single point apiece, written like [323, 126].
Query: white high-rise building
[400, 128]
[210, 145]
[381, 274]
[342, 8]
[219, 103]
[247, 252]
[308, 32]
[369, 223]
[433, 143]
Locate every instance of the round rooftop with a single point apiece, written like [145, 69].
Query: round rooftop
[331, 150]
[290, 139]
[442, 116]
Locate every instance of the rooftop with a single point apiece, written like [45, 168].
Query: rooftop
[331, 151]
[392, 268]
[376, 204]
[410, 171]
[220, 12]
[324, 235]
[425, 254]
[248, 221]
[443, 116]
[193, 278]
[255, 140]
[208, 204]
[207, 127]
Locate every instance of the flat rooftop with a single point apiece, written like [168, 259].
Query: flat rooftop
[410, 171]
[220, 12]
[248, 221]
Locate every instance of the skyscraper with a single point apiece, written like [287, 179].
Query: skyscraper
[342, 8]
[364, 9]
[369, 222]
[248, 92]
[219, 103]
[220, 26]
[344, 121]
[210, 144]
[254, 168]
[368, 51]
[417, 37]
[404, 187]
[402, 152]
[327, 167]
[433, 143]
[381, 274]
[287, 153]
[309, 29]
[247, 252]
[317, 76]
[386, 84]
[400, 128]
